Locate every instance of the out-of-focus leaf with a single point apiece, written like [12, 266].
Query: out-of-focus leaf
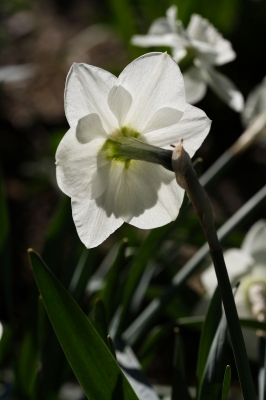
[179, 389]
[90, 359]
[27, 365]
[82, 273]
[110, 294]
[5, 255]
[262, 368]
[208, 332]
[4, 231]
[58, 231]
[131, 368]
[148, 247]
[111, 346]
[226, 382]
[154, 340]
[5, 342]
[197, 322]
[99, 320]
[210, 386]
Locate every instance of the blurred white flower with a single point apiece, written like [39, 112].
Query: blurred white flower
[255, 104]
[108, 116]
[204, 47]
[254, 115]
[247, 265]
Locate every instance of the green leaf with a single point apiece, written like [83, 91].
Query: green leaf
[90, 359]
[226, 382]
[57, 233]
[99, 319]
[179, 390]
[111, 293]
[5, 342]
[27, 364]
[208, 332]
[262, 368]
[211, 385]
[5, 255]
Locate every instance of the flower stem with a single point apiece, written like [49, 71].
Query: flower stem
[187, 179]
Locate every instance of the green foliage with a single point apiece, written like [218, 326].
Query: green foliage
[90, 359]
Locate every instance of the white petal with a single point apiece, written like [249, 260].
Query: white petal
[194, 85]
[255, 242]
[169, 200]
[89, 128]
[86, 92]
[119, 101]
[225, 89]
[192, 128]
[171, 15]
[202, 31]
[151, 40]
[79, 171]
[237, 262]
[148, 195]
[94, 223]
[154, 81]
[96, 219]
[255, 103]
[160, 26]
[162, 119]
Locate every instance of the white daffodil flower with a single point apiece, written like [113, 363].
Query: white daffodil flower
[204, 47]
[247, 265]
[115, 124]
[254, 114]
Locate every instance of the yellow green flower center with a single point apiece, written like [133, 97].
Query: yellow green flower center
[126, 144]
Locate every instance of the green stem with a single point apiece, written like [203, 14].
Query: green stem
[187, 179]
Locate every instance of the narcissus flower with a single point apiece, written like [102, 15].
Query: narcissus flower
[200, 48]
[120, 127]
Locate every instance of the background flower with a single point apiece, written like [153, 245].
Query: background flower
[147, 102]
[200, 45]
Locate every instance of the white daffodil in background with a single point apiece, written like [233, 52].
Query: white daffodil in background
[200, 46]
[115, 124]
[254, 113]
[247, 265]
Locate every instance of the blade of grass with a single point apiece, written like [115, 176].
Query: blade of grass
[226, 382]
[179, 388]
[209, 329]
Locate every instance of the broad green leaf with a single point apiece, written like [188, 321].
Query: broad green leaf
[179, 389]
[90, 359]
[208, 332]
[226, 382]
